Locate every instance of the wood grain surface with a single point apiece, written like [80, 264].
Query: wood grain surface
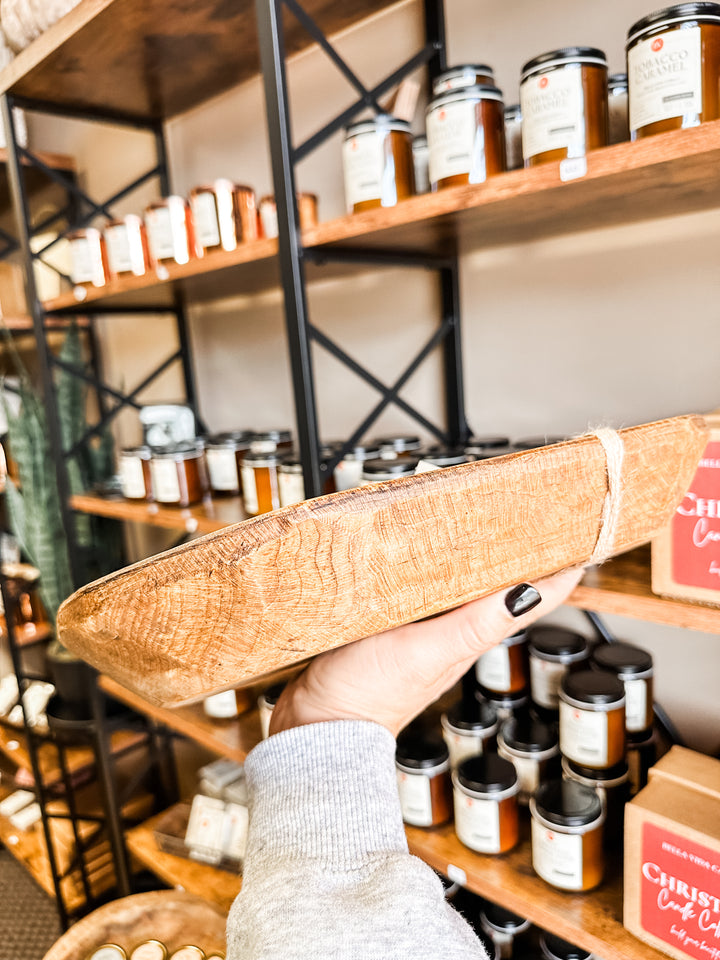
[281, 588]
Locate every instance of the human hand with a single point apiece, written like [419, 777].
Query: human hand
[391, 677]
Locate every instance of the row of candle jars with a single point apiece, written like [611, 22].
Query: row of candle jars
[218, 216]
[152, 950]
[497, 756]
[565, 101]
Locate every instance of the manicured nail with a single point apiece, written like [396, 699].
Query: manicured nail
[521, 599]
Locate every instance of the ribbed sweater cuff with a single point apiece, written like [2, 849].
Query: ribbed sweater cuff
[327, 791]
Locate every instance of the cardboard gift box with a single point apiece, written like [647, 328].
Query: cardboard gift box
[672, 857]
[686, 556]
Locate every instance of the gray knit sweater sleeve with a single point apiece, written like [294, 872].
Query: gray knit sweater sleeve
[327, 873]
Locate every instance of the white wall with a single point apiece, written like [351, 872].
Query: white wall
[616, 326]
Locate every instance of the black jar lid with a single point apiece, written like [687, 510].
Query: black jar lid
[272, 694]
[420, 751]
[395, 468]
[563, 55]
[184, 450]
[532, 443]
[489, 441]
[142, 451]
[678, 12]
[508, 701]
[290, 463]
[529, 734]
[618, 772]
[624, 659]
[279, 436]
[553, 948]
[472, 715]
[399, 443]
[617, 81]
[462, 68]
[382, 121]
[487, 773]
[592, 686]
[503, 920]
[232, 439]
[259, 459]
[513, 112]
[362, 452]
[479, 91]
[557, 642]
[567, 803]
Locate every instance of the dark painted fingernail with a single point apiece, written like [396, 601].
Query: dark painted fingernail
[521, 599]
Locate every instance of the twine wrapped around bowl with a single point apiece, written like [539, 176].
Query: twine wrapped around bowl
[24, 20]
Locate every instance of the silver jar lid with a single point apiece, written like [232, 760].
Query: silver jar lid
[383, 122]
[477, 93]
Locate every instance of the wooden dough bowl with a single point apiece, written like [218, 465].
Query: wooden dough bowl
[276, 590]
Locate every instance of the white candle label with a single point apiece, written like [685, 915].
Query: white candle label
[557, 857]
[635, 705]
[584, 735]
[269, 219]
[451, 133]
[165, 483]
[545, 680]
[222, 467]
[221, 706]
[132, 478]
[363, 165]
[460, 747]
[493, 669]
[291, 488]
[83, 266]
[477, 823]
[206, 219]
[160, 234]
[553, 112]
[415, 799]
[118, 249]
[665, 78]
[249, 486]
[528, 771]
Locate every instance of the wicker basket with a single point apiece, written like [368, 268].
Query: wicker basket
[24, 20]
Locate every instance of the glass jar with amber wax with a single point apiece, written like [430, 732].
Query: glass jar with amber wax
[641, 753]
[171, 232]
[178, 474]
[127, 246]
[261, 491]
[673, 58]
[563, 98]
[422, 763]
[224, 453]
[468, 728]
[465, 75]
[134, 469]
[466, 136]
[504, 668]
[486, 804]
[378, 163]
[89, 265]
[613, 788]
[225, 214]
[227, 705]
[531, 745]
[375, 471]
[592, 718]
[307, 205]
[553, 651]
[618, 122]
[348, 471]
[513, 137]
[634, 666]
[567, 835]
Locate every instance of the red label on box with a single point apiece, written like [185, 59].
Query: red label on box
[680, 893]
[696, 527]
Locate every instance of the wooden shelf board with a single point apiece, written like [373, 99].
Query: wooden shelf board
[131, 56]
[592, 920]
[668, 174]
[204, 517]
[232, 739]
[622, 586]
[216, 886]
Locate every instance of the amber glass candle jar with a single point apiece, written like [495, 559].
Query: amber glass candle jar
[224, 453]
[348, 471]
[613, 788]
[423, 776]
[127, 246]
[486, 804]
[567, 835]
[261, 490]
[531, 745]
[508, 931]
[134, 468]
[170, 231]
[227, 705]
[88, 258]
[225, 214]
[465, 75]
[468, 729]
[179, 474]
[378, 163]
[553, 651]
[504, 668]
[375, 471]
[640, 753]
[618, 120]
[307, 204]
[553, 948]
[466, 136]
[634, 666]
[673, 58]
[506, 704]
[592, 718]
[563, 98]
[513, 137]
